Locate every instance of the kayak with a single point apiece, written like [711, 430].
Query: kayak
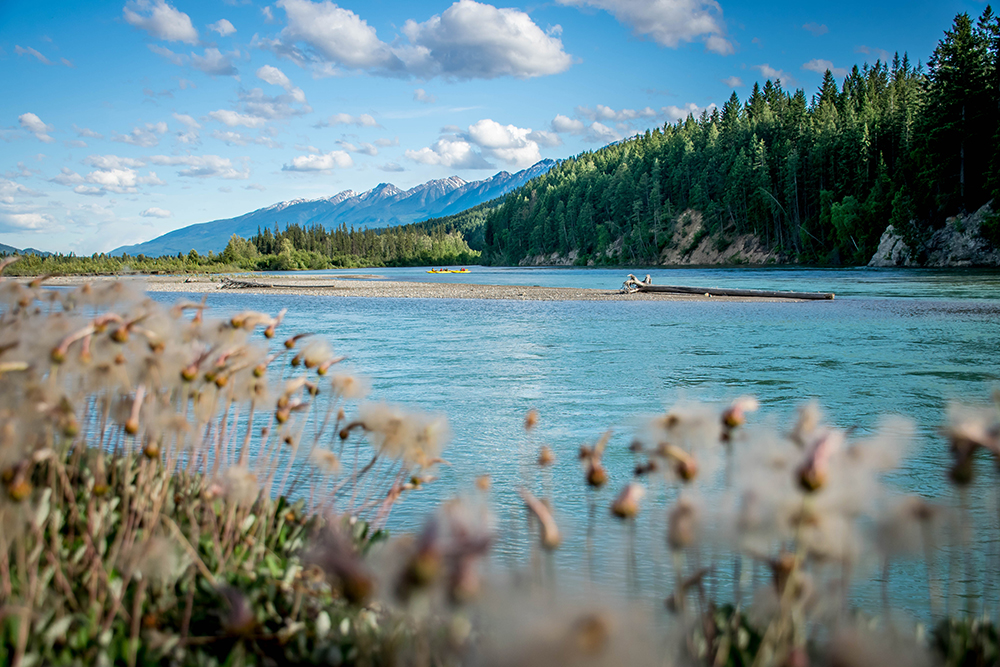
[448, 271]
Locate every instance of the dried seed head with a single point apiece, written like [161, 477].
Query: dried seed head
[483, 483]
[735, 415]
[19, 489]
[597, 476]
[531, 419]
[591, 634]
[151, 450]
[545, 456]
[626, 505]
[120, 335]
[132, 426]
[682, 525]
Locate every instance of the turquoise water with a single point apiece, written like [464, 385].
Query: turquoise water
[901, 342]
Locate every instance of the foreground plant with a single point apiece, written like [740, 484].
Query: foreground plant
[146, 454]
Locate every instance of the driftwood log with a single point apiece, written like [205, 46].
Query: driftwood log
[232, 283]
[633, 284]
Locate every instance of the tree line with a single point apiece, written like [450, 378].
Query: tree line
[294, 248]
[817, 179]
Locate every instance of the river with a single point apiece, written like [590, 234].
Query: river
[892, 342]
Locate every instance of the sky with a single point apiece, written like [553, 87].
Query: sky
[121, 121]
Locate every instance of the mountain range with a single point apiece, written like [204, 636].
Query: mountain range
[385, 205]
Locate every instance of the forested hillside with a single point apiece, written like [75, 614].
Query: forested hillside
[815, 178]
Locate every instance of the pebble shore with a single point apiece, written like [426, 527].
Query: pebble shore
[371, 286]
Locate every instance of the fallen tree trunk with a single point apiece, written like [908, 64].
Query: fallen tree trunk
[232, 283]
[635, 285]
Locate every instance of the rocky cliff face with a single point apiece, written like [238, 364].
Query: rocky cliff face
[957, 244]
[689, 245]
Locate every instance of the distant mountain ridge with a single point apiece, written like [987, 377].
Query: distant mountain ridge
[385, 205]
[11, 250]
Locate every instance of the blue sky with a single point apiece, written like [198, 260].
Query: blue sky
[121, 121]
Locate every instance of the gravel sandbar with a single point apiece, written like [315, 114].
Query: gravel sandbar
[370, 286]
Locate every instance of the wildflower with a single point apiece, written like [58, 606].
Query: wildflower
[530, 420]
[626, 505]
[239, 485]
[813, 472]
[735, 414]
[349, 386]
[682, 525]
[333, 551]
[545, 456]
[550, 536]
[325, 460]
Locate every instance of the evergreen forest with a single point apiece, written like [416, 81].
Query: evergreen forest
[816, 178]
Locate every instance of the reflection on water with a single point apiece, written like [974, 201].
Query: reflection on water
[590, 366]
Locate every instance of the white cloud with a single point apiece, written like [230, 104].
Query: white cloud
[10, 189]
[146, 137]
[34, 124]
[391, 167]
[176, 58]
[420, 95]
[472, 40]
[335, 34]
[154, 212]
[191, 135]
[184, 84]
[821, 66]
[231, 138]
[669, 22]
[675, 113]
[449, 152]
[89, 190]
[274, 76]
[223, 27]
[733, 82]
[469, 40]
[202, 166]
[233, 119]
[151, 179]
[67, 177]
[22, 51]
[213, 63]
[604, 113]
[769, 72]
[113, 162]
[255, 186]
[362, 148]
[881, 54]
[119, 181]
[545, 138]
[364, 120]
[568, 125]
[507, 143]
[86, 132]
[385, 142]
[601, 133]
[268, 15]
[324, 162]
[816, 28]
[161, 21]
[25, 222]
[67, 63]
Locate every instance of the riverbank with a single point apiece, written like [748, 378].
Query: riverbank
[375, 286]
